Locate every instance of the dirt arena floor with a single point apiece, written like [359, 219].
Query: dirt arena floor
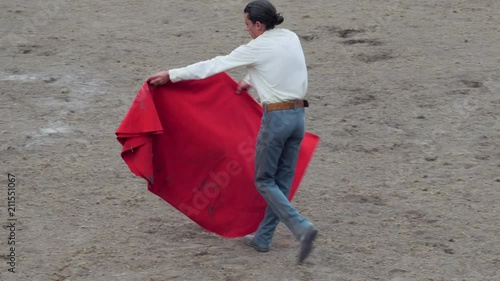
[405, 96]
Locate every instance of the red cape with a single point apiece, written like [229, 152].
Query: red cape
[194, 143]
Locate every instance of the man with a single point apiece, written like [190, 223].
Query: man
[277, 70]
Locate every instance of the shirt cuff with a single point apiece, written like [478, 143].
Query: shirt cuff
[246, 79]
[176, 74]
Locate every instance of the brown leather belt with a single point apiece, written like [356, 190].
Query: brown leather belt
[285, 105]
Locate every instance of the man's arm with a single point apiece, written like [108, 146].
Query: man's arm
[243, 55]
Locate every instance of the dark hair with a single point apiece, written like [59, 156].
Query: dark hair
[264, 12]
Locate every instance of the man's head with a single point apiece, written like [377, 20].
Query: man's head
[260, 15]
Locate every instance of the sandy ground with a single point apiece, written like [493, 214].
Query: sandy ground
[404, 186]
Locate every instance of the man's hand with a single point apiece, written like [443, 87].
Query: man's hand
[242, 86]
[159, 78]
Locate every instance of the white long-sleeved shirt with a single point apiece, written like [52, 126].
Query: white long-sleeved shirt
[274, 60]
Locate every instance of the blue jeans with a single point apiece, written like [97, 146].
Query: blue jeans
[276, 156]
